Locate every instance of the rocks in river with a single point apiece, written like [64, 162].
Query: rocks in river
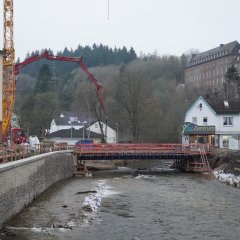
[87, 208]
[92, 202]
[86, 192]
[3, 236]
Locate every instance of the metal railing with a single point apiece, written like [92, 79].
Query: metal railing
[17, 152]
[142, 148]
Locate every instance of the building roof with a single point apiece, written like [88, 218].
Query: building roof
[223, 50]
[64, 119]
[224, 106]
[68, 133]
[109, 124]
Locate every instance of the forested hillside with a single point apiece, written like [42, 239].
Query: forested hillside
[96, 55]
[143, 96]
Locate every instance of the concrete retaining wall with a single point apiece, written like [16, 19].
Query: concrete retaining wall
[22, 181]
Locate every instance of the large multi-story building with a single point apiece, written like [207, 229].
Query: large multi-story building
[209, 68]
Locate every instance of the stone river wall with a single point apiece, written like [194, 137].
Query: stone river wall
[23, 180]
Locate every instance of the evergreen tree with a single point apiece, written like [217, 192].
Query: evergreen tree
[44, 80]
[232, 83]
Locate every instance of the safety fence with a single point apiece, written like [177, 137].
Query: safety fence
[21, 151]
[188, 157]
[108, 151]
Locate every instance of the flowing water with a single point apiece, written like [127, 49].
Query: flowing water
[166, 206]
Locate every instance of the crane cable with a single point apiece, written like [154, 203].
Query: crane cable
[108, 10]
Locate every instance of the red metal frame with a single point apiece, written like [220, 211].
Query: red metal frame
[107, 151]
[191, 149]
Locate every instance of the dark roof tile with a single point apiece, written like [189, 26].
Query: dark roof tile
[231, 48]
[68, 133]
[232, 106]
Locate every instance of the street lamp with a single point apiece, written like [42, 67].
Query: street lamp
[83, 128]
[117, 133]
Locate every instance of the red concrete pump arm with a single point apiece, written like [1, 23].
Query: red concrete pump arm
[46, 55]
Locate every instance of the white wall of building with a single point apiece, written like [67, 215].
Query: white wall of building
[200, 113]
[213, 119]
[111, 133]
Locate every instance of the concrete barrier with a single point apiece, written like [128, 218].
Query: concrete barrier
[23, 180]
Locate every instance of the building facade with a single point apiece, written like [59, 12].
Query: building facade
[209, 68]
[212, 121]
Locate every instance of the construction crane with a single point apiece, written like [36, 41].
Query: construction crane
[9, 80]
[10, 70]
[46, 55]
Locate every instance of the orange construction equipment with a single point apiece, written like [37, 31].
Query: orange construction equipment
[9, 81]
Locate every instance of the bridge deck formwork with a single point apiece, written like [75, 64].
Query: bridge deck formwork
[191, 157]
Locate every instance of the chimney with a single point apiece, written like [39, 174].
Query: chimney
[207, 96]
[221, 45]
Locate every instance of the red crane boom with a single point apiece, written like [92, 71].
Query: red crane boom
[46, 55]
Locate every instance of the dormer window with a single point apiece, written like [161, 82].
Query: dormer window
[226, 104]
[72, 119]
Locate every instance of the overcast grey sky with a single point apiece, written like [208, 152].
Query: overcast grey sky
[168, 26]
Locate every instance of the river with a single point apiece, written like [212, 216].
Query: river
[166, 206]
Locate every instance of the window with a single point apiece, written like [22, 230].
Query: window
[194, 120]
[205, 120]
[227, 121]
[96, 125]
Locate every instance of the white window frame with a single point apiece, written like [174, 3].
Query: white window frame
[227, 121]
[194, 120]
[205, 123]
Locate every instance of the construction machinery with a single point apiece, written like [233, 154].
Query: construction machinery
[10, 70]
[9, 80]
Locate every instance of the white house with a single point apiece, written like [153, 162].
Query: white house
[70, 127]
[68, 120]
[213, 121]
[111, 133]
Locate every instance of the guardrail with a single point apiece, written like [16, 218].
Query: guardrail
[17, 152]
[104, 150]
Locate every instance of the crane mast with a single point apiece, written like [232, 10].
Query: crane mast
[9, 81]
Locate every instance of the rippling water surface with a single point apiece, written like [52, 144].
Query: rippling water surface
[167, 206]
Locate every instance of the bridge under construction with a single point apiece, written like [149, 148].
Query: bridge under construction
[191, 157]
